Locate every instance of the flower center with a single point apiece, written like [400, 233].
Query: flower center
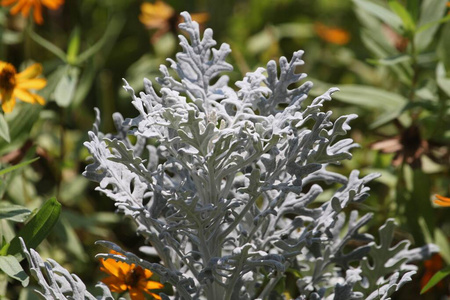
[133, 277]
[7, 78]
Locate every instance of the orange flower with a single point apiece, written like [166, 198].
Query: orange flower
[442, 201]
[332, 35]
[13, 85]
[24, 7]
[164, 18]
[125, 277]
[431, 266]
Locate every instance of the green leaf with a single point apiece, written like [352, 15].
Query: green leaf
[370, 97]
[13, 212]
[37, 229]
[443, 48]
[420, 200]
[442, 80]
[65, 89]
[431, 13]
[74, 46]
[389, 61]
[4, 129]
[47, 45]
[386, 117]
[413, 7]
[112, 31]
[382, 13]
[440, 239]
[436, 279]
[18, 166]
[408, 22]
[11, 266]
[85, 83]
[20, 122]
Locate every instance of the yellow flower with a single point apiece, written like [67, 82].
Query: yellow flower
[442, 201]
[164, 18]
[125, 277]
[332, 35]
[13, 85]
[24, 7]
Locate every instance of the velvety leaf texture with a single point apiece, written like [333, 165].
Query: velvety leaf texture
[223, 182]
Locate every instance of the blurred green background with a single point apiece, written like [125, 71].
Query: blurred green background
[391, 60]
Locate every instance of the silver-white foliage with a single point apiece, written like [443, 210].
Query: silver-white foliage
[223, 184]
[57, 283]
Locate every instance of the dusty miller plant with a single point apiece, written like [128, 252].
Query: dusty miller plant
[223, 185]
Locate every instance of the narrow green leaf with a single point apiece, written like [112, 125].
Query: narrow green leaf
[386, 117]
[15, 167]
[443, 48]
[47, 45]
[13, 212]
[4, 129]
[382, 13]
[74, 46]
[112, 30]
[413, 7]
[442, 80]
[37, 229]
[408, 22]
[421, 192]
[85, 82]
[369, 97]
[11, 266]
[436, 279]
[440, 239]
[20, 122]
[431, 15]
[434, 23]
[390, 61]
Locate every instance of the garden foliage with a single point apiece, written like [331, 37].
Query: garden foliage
[225, 186]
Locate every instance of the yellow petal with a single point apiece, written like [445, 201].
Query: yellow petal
[8, 105]
[152, 285]
[136, 294]
[147, 273]
[200, 18]
[158, 10]
[442, 201]
[115, 268]
[39, 99]
[53, 4]
[7, 2]
[31, 72]
[27, 7]
[18, 7]
[8, 100]
[155, 296]
[37, 13]
[35, 84]
[114, 284]
[24, 95]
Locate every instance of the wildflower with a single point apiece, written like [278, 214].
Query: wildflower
[332, 35]
[442, 201]
[408, 146]
[24, 7]
[399, 42]
[125, 277]
[431, 266]
[164, 18]
[13, 85]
